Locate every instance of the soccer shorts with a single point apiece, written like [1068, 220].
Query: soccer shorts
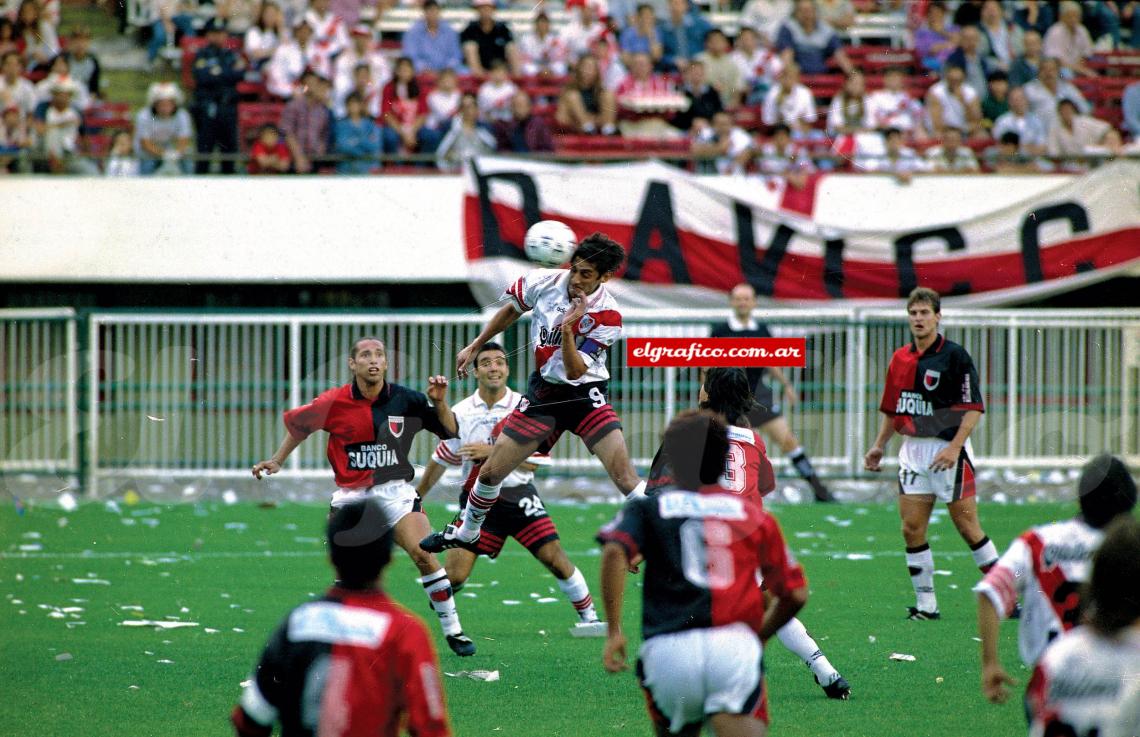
[397, 498]
[690, 675]
[915, 476]
[518, 513]
[548, 410]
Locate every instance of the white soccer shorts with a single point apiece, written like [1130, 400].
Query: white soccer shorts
[915, 476]
[693, 674]
[398, 498]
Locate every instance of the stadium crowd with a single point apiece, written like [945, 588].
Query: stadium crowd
[782, 88]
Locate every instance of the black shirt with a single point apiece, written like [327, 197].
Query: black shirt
[492, 45]
[760, 390]
[703, 105]
[927, 394]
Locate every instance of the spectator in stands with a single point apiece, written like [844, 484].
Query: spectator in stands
[1130, 16]
[432, 44]
[951, 103]
[648, 99]
[1034, 15]
[84, 66]
[1001, 39]
[1031, 132]
[289, 61]
[937, 38]
[443, 102]
[486, 39]
[404, 110]
[1008, 156]
[8, 40]
[364, 87]
[330, 34]
[350, 10]
[729, 146]
[15, 139]
[173, 20]
[586, 105]
[37, 34]
[269, 153]
[683, 34]
[781, 156]
[347, 76]
[893, 106]
[1130, 102]
[307, 122]
[704, 100]
[58, 125]
[1025, 67]
[164, 135]
[1075, 134]
[896, 159]
[810, 42]
[15, 89]
[60, 70]
[239, 15]
[996, 102]
[263, 37]
[1048, 89]
[1069, 42]
[850, 112]
[584, 30]
[217, 71]
[759, 65]
[969, 56]
[790, 103]
[969, 13]
[610, 68]
[839, 14]
[495, 94]
[766, 16]
[1102, 19]
[543, 52]
[720, 68]
[356, 138]
[466, 139]
[524, 132]
[952, 156]
[121, 161]
[643, 37]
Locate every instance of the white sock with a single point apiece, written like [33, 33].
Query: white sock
[479, 502]
[438, 590]
[578, 592]
[920, 563]
[985, 554]
[795, 637]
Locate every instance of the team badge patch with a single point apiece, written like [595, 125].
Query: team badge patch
[585, 325]
[930, 379]
[396, 426]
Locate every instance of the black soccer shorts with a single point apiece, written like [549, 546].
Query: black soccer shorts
[548, 410]
[518, 513]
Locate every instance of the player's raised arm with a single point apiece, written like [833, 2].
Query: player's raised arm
[500, 321]
[437, 393]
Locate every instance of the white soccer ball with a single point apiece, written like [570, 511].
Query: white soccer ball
[550, 243]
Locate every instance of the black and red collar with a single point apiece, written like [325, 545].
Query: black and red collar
[385, 392]
[935, 347]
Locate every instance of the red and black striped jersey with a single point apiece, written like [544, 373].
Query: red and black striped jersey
[369, 440]
[352, 664]
[702, 556]
[927, 394]
[747, 470]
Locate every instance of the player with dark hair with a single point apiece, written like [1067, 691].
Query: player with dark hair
[932, 397]
[704, 619]
[574, 324]
[1046, 567]
[766, 414]
[1088, 681]
[727, 393]
[519, 513]
[353, 662]
[371, 423]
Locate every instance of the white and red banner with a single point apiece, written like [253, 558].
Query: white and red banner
[992, 239]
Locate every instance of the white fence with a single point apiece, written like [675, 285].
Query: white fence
[200, 395]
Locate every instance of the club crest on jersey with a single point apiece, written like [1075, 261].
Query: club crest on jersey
[396, 426]
[585, 325]
[930, 379]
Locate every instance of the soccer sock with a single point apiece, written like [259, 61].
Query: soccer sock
[578, 593]
[442, 599]
[479, 502]
[795, 637]
[800, 460]
[920, 563]
[985, 554]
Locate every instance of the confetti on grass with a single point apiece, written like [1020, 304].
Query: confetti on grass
[903, 657]
[476, 675]
[159, 624]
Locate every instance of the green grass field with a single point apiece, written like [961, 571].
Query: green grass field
[69, 667]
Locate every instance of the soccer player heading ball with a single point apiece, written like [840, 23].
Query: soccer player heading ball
[574, 323]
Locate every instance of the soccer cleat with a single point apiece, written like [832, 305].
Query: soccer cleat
[437, 542]
[589, 629]
[821, 492]
[461, 645]
[838, 689]
[920, 616]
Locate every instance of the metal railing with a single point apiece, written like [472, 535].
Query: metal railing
[200, 395]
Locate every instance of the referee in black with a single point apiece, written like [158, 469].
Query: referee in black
[767, 415]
